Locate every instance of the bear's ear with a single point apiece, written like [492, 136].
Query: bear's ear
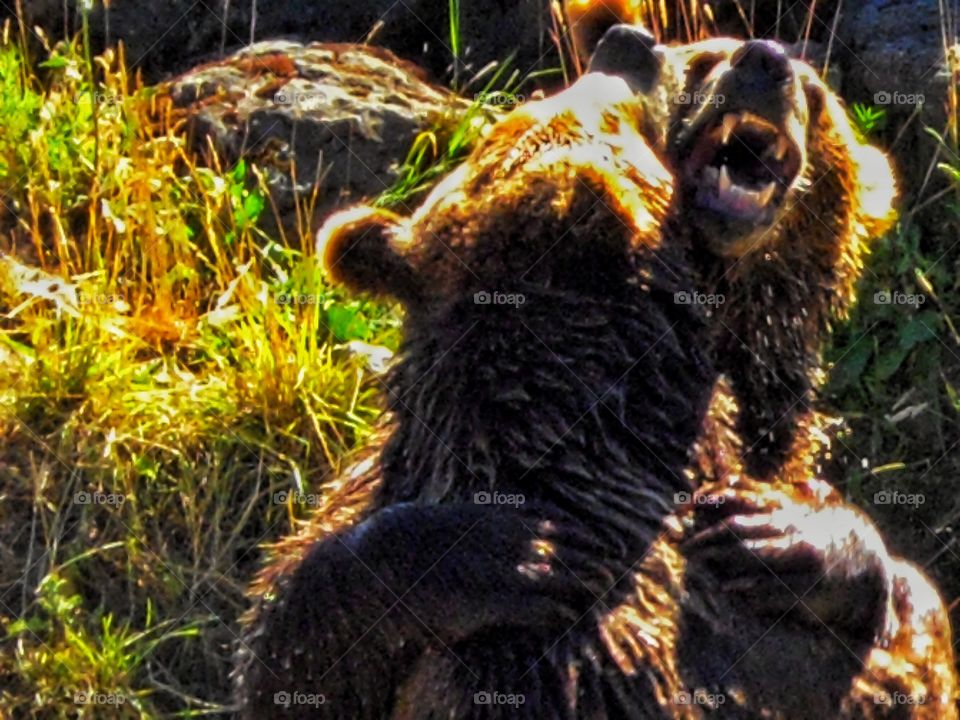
[588, 20]
[628, 51]
[876, 182]
[367, 249]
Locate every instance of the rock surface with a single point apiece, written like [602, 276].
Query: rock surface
[894, 57]
[168, 36]
[341, 115]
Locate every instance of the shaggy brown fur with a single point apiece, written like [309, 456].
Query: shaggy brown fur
[673, 632]
[563, 203]
[784, 273]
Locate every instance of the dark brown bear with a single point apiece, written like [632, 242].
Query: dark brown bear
[779, 200]
[546, 370]
[563, 205]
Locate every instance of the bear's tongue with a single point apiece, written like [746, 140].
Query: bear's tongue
[723, 194]
[740, 165]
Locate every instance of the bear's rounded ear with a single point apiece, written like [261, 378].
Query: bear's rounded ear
[588, 20]
[876, 182]
[628, 51]
[878, 189]
[367, 249]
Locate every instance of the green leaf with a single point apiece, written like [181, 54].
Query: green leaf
[55, 62]
[33, 625]
[253, 205]
[952, 394]
[239, 172]
[347, 323]
[921, 328]
[146, 467]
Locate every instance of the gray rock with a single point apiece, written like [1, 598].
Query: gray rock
[893, 55]
[168, 36]
[343, 116]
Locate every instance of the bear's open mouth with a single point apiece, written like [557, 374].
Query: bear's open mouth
[742, 166]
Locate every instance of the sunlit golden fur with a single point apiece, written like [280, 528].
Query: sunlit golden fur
[641, 634]
[784, 285]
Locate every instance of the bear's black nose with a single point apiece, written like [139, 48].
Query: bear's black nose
[763, 60]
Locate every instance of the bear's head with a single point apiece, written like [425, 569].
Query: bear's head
[563, 193]
[767, 163]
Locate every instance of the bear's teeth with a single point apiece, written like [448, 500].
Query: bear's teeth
[783, 145]
[766, 195]
[724, 182]
[730, 122]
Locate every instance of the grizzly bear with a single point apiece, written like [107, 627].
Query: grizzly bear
[562, 206]
[541, 417]
[779, 201]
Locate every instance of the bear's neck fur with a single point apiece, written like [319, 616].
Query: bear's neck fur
[587, 405]
[779, 302]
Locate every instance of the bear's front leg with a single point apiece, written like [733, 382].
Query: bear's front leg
[786, 549]
[364, 604]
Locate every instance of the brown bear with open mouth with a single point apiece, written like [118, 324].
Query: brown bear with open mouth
[594, 601]
[780, 200]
